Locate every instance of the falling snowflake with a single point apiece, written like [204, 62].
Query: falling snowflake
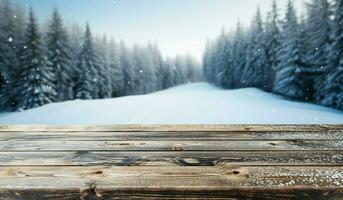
[141, 71]
[10, 39]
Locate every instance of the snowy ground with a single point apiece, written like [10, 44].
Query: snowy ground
[198, 103]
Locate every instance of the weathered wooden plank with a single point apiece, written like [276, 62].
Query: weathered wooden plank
[230, 182]
[233, 194]
[220, 158]
[171, 162]
[170, 136]
[169, 145]
[167, 128]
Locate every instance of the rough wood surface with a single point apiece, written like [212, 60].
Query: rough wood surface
[107, 182]
[170, 136]
[171, 162]
[169, 145]
[149, 158]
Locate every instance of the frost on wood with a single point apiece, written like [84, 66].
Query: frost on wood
[283, 177]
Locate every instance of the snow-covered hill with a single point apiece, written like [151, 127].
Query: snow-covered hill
[198, 103]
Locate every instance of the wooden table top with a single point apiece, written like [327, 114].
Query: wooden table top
[171, 162]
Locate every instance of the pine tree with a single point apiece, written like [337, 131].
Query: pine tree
[3, 59]
[153, 63]
[333, 88]
[237, 57]
[35, 88]
[190, 66]
[59, 58]
[207, 62]
[157, 67]
[167, 74]
[331, 93]
[272, 41]
[256, 73]
[318, 38]
[116, 72]
[9, 53]
[179, 72]
[288, 80]
[306, 71]
[137, 81]
[221, 73]
[225, 72]
[103, 70]
[86, 85]
[75, 33]
[127, 67]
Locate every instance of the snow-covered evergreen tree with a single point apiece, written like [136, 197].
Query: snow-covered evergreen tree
[127, 67]
[9, 55]
[86, 86]
[179, 70]
[19, 35]
[157, 67]
[318, 40]
[333, 88]
[288, 80]
[225, 71]
[167, 75]
[75, 33]
[35, 87]
[221, 72]
[331, 93]
[208, 61]
[153, 63]
[139, 82]
[59, 58]
[272, 41]
[116, 72]
[103, 70]
[237, 56]
[256, 72]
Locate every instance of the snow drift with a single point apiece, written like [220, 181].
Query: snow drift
[198, 103]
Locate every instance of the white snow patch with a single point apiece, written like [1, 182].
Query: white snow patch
[198, 103]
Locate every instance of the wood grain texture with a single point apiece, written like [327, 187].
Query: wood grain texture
[172, 136]
[171, 162]
[230, 182]
[170, 145]
[196, 158]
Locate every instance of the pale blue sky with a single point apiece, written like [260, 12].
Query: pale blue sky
[178, 26]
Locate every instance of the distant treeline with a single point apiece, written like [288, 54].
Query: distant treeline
[58, 63]
[298, 57]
